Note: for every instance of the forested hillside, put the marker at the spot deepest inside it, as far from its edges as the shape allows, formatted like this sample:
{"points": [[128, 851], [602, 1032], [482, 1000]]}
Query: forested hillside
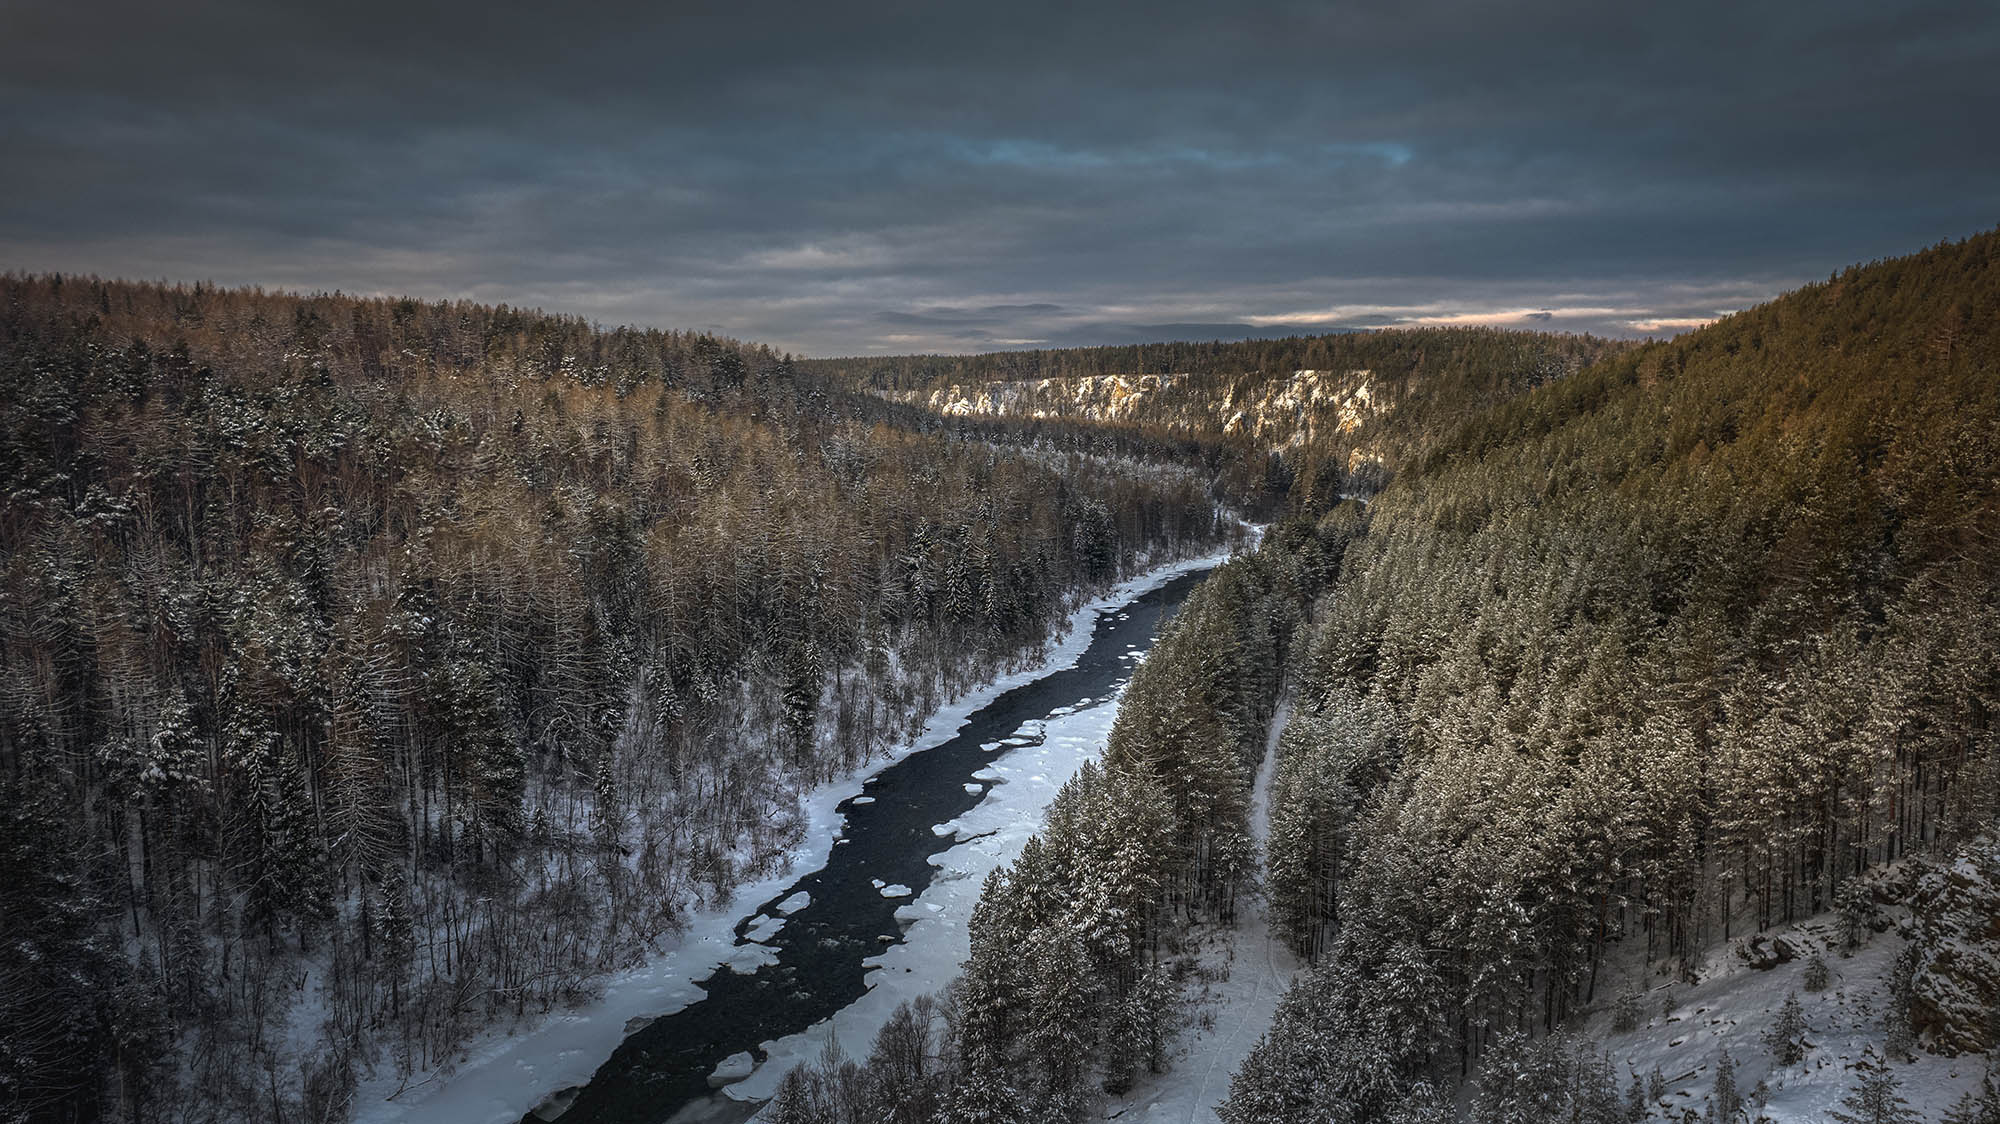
{"points": [[377, 670], [1287, 426], [1651, 658], [1661, 655], [1080, 953]]}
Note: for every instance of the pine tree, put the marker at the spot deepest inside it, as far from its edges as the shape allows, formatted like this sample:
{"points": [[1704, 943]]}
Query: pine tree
{"points": [[1786, 1038], [1856, 906], [983, 1092], [177, 756], [58, 975], [1636, 1104], [1980, 1106], [1726, 1104], [985, 1011], [1876, 1099], [1817, 974], [793, 1102], [1626, 1015], [1597, 1100], [283, 866], [1424, 1104], [1897, 1004]]}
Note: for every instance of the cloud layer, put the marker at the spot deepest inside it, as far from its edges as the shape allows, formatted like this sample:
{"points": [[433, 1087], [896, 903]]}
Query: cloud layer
{"points": [[841, 178]]}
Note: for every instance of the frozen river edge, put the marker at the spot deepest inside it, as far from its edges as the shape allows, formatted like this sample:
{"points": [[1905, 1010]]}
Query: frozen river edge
{"points": [[509, 1072]]}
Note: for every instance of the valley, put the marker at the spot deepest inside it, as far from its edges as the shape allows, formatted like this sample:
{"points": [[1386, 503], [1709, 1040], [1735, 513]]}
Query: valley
{"points": [[607, 727], [1036, 563]]}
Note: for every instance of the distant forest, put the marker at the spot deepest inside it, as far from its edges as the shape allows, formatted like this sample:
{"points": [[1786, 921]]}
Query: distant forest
{"points": [[1390, 350]]}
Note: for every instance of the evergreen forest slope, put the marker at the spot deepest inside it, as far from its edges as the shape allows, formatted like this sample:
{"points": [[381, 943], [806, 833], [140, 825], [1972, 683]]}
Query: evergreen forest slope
{"points": [[1648, 659], [1617, 671], [443, 652], [376, 670]]}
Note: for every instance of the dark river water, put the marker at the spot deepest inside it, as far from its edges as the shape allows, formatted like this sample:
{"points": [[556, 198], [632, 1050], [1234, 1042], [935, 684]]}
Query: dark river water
{"points": [[660, 1072]]}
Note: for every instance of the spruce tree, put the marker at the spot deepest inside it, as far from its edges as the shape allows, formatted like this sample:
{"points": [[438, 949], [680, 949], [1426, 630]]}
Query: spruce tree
{"points": [[1979, 1106], [1876, 1098], [1636, 1104], [1897, 1004], [1726, 1103], [1786, 1037]]}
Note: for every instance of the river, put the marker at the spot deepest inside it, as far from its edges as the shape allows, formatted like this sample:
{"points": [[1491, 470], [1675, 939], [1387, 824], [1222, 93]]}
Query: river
{"points": [[815, 965]]}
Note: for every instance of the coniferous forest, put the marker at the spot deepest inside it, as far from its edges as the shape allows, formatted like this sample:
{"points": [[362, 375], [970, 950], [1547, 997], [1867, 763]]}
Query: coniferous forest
{"points": [[654, 562], [1663, 654], [444, 657]]}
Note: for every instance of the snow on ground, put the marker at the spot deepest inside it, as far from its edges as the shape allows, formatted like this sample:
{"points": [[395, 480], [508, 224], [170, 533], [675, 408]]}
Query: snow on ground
{"points": [[1733, 1007], [508, 1070], [1235, 1010], [1254, 971], [936, 943]]}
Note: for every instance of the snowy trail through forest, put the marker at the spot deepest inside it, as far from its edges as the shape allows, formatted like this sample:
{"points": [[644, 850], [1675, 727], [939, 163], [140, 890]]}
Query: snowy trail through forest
{"points": [[1238, 1008]]}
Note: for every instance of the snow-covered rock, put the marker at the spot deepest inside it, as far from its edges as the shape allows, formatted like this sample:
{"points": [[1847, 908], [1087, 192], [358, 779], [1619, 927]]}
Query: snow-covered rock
{"points": [[1766, 953], [1955, 927]]}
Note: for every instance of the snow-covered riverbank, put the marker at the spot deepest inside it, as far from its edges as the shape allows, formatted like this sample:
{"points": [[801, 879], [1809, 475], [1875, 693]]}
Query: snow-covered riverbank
{"points": [[509, 1071], [1254, 969], [1028, 770]]}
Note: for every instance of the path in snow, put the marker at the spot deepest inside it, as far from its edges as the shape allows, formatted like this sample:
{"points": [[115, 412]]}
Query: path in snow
{"points": [[1239, 1007]]}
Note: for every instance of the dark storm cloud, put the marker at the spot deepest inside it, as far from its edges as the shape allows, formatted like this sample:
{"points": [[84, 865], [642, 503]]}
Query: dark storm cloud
{"points": [[839, 178]]}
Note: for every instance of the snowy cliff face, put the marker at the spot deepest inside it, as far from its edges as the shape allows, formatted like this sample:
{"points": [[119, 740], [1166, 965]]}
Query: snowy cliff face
{"points": [[1278, 411], [1100, 398], [1955, 927]]}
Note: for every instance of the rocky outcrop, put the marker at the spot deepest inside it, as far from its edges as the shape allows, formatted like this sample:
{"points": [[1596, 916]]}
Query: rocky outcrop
{"points": [[1278, 410], [1955, 927], [1766, 953]]}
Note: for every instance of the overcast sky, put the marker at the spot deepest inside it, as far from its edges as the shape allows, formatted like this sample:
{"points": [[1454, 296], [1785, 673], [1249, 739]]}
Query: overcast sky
{"points": [[836, 178]]}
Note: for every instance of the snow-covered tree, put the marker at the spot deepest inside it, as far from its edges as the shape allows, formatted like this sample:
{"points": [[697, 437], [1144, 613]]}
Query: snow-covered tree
{"points": [[1876, 1098], [1786, 1037]]}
